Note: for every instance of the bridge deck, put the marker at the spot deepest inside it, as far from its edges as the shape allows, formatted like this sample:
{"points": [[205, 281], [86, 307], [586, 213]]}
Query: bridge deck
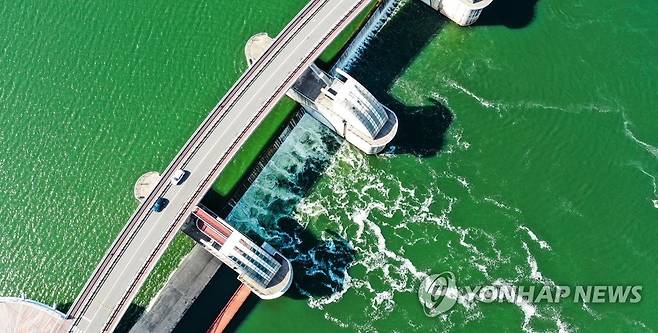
{"points": [[132, 256]]}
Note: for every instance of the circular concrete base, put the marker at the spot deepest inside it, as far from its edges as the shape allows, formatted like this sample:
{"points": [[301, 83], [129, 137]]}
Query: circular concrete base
{"points": [[145, 184], [256, 46], [22, 315]]}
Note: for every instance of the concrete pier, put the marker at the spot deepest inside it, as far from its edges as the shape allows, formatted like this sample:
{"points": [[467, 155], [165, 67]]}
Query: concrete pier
{"points": [[462, 12], [266, 272], [338, 101], [145, 184]]}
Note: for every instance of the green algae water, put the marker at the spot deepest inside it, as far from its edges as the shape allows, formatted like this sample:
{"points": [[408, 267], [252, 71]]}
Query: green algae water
{"points": [[526, 155], [93, 95]]}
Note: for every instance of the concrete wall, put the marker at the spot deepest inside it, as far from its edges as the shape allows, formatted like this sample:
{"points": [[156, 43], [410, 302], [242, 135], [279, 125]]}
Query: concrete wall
{"points": [[182, 289]]}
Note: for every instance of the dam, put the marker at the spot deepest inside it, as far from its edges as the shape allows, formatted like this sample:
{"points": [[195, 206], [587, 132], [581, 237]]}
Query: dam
{"points": [[159, 216], [338, 101], [283, 66]]}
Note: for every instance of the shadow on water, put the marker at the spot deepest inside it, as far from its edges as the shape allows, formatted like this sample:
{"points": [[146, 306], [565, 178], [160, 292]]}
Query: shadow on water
{"points": [[514, 14], [217, 203], [242, 314], [320, 266], [212, 299], [421, 128]]}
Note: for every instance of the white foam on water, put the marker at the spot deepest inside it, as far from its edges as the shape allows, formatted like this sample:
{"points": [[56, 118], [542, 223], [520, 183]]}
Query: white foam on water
{"points": [[458, 136], [311, 208], [463, 181], [490, 63], [536, 105], [383, 301], [483, 101], [574, 109], [359, 219], [641, 324], [320, 302], [482, 268], [562, 327], [542, 244], [649, 148], [414, 94], [396, 272], [444, 100], [531, 310], [501, 205], [444, 222], [406, 263], [569, 207], [477, 258], [335, 320], [379, 214], [535, 274], [591, 311], [653, 183]]}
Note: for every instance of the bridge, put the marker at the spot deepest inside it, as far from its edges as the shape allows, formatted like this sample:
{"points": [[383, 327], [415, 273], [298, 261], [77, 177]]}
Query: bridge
{"points": [[279, 66], [131, 257]]}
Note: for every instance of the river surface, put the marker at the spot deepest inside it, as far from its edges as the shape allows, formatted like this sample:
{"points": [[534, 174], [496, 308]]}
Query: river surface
{"points": [[527, 155]]}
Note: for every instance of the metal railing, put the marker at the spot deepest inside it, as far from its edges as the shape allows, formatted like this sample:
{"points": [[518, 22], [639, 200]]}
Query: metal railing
{"points": [[190, 149], [83, 301], [202, 188]]}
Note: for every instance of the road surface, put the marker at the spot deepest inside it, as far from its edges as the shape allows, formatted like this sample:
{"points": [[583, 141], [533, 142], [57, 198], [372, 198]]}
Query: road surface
{"points": [[132, 256]]}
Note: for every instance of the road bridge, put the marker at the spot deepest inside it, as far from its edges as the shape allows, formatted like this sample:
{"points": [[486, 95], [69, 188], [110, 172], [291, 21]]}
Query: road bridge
{"points": [[131, 257]]}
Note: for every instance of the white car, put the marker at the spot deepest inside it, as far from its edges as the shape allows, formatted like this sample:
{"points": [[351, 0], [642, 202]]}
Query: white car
{"points": [[177, 177]]}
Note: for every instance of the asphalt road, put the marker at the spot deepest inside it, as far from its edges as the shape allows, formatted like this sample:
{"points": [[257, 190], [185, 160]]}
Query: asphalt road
{"points": [[132, 256]]}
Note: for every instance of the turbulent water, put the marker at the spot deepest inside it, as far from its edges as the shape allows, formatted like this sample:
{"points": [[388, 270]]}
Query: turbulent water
{"points": [[94, 94], [527, 155]]}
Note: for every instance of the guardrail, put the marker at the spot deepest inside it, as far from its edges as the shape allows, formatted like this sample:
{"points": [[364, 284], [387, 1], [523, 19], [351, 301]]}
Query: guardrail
{"points": [[87, 295], [231, 150]]}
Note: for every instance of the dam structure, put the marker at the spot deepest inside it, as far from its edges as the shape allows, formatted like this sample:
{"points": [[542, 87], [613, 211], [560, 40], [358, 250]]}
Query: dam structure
{"points": [[338, 101], [266, 272], [279, 66], [122, 271], [462, 12]]}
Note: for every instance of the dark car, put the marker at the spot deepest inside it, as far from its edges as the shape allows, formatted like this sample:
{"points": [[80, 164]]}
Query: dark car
{"points": [[160, 204]]}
